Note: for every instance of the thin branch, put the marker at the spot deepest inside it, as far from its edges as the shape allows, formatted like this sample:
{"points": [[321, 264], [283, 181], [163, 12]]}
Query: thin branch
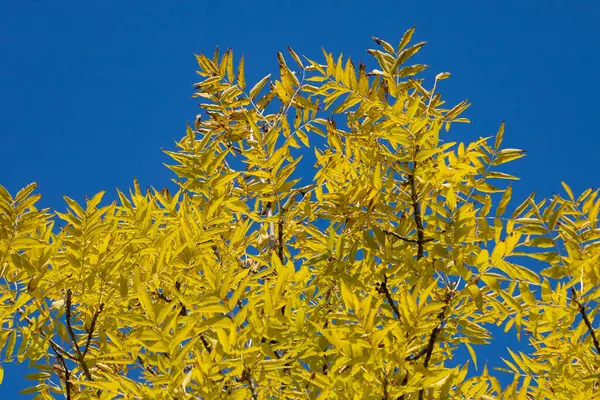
{"points": [[434, 334], [80, 356], [280, 236], [271, 230], [325, 367], [405, 239], [586, 319], [382, 288], [417, 214], [385, 385], [65, 370], [251, 384], [147, 368], [92, 328], [205, 343], [183, 311], [418, 355], [54, 345]]}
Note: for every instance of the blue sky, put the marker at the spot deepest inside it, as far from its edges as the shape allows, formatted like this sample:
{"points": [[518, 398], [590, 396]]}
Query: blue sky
{"points": [[91, 91]]}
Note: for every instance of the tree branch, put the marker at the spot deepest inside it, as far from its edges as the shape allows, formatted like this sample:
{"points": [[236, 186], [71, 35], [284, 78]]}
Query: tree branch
{"points": [[63, 374], [80, 356], [147, 368], [280, 236], [586, 320], [205, 343], [417, 214], [434, 334], [405, 239], [251, 384], [92, 328], [382, 288]]}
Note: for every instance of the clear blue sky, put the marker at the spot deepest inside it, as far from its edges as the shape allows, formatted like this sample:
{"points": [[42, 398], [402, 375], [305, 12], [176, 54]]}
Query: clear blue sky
{"points": [[91, 91]]}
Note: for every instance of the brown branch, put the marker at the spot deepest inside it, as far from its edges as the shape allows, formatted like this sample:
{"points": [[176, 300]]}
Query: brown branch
{"points": [[386, 395], [280, 236], [417, 356], [325, 367], [417, 214], [80, 356], [405, 239], [383, 289], [434, 334], [183, 311], [54, 345], [92, 328], [248, 378], [205, 343], [404, 382], [147, 368], [65, 370], [586, 320], [271, 229]]}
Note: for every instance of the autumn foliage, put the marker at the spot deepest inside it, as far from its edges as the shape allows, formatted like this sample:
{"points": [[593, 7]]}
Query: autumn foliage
{"points": [[356, 272]]}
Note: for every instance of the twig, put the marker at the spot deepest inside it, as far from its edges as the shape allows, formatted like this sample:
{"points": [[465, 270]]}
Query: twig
{"points": [[418, 355], [205, 343], [80, 356], [586, 319], [248, 378], [54, 345], [92, 328], [382, 288], [434, 334], [280, 236], [65, 369], [417, 214], [183, 311], [405, 239], [385, 385], [147, 368]]}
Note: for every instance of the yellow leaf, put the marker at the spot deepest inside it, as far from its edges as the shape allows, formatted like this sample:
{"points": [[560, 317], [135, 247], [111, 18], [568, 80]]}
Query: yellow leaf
{"points": [[295, 57], [506, 196], [5, 195], [568, 190], [451, 198], [406, 38], [24, 193], [213, 308], [258, 87], [499, 137], [94, 201], [146, 303], [75, 207], [498, 252], [472, 354], [241, 79], [507, 155]]}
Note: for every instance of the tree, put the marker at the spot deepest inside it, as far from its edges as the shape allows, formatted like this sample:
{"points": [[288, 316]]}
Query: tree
{"points": [[247, 283]]}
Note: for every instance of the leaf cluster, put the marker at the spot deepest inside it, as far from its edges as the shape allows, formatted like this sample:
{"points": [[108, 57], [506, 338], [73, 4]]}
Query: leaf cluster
{"points": [[363, 283]]}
